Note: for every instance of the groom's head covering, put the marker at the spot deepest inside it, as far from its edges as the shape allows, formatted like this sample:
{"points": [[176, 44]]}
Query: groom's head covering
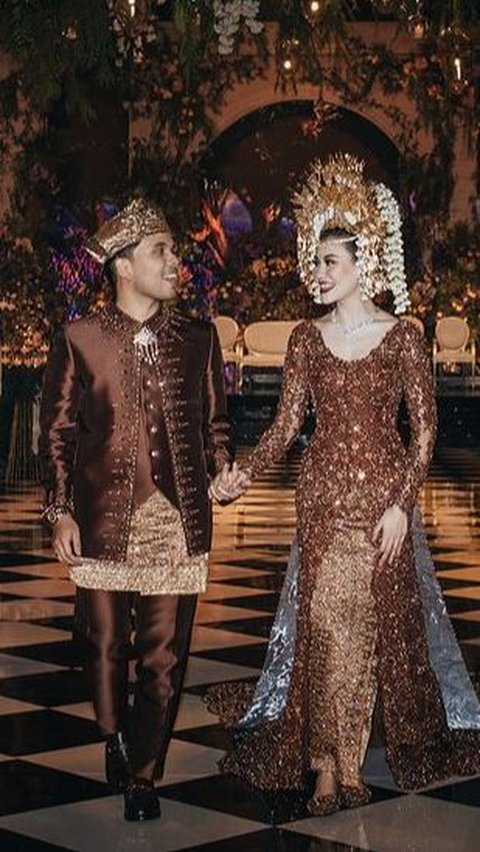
{"points": [[137, 220]]}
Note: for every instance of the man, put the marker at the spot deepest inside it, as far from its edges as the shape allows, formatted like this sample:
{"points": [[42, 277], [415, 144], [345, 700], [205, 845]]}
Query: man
{"points": [[133, 429]]}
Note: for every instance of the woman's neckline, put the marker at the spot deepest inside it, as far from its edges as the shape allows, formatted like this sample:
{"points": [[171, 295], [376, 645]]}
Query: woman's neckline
{"points": [[376, 348]]}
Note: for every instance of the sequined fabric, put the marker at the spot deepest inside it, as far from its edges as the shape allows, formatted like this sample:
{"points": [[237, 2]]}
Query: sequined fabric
{"points": [[157, 560], [136, 221], [360, 629], [342, 657]]}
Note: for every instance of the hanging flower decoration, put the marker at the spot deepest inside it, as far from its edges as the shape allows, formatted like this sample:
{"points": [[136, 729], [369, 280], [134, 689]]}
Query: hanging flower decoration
{"points": [[392, 247], [133, 24], [228, 18]]}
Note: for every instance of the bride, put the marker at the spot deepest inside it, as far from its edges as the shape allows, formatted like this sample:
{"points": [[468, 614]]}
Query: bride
{"points": [[361, 621]]}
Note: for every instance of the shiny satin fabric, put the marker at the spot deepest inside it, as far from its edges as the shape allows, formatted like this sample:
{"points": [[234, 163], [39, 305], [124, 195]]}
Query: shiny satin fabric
{"points": [[97, 389], [163, 625]]}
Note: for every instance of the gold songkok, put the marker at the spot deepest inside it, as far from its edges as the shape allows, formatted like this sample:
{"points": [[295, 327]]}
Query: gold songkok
{"points": [[137, 220], [336, 194]]}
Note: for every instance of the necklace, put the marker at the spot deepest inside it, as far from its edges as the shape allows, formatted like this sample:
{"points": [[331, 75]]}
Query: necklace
{"points": [[351, 330]]}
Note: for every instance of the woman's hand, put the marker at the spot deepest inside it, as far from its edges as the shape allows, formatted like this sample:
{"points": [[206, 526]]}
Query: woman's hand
{"points": [[391, 530], [229, 484]]}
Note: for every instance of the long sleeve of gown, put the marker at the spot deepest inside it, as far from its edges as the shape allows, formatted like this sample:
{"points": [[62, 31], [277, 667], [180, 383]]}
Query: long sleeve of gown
{"points": [[291, 409], [419, 392]]}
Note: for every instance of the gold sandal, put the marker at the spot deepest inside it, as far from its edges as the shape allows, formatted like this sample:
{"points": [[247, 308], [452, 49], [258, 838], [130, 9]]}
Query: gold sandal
{"points": [[323, 805], [354, 797]]}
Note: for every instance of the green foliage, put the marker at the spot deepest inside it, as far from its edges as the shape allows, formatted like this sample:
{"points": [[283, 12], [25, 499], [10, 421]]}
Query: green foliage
{"points": [[62, 48], [54, 43], [449, 285], [27, 302]]}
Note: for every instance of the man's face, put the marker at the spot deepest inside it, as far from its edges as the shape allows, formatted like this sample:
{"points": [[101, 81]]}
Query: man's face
{"points": [[152, 270]]}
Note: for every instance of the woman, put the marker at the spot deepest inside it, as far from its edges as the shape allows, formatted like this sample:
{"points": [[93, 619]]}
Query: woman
{"points": [[351, 626]]}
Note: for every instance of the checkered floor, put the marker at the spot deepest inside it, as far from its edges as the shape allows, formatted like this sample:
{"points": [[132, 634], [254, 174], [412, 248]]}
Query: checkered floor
{"points": [[53, 791]]}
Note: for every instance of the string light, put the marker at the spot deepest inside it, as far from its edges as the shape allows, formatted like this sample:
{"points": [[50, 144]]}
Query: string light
{"points": [[288, 51], [456, 57]]}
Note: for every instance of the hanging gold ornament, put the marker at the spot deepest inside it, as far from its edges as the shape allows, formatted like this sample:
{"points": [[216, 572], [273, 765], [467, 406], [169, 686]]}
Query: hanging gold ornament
{"points": [[417, 26]]}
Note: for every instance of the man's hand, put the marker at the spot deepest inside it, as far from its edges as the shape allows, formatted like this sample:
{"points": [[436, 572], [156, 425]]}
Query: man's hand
{"points": [[66, 540], [391, 530], [229, 484]]}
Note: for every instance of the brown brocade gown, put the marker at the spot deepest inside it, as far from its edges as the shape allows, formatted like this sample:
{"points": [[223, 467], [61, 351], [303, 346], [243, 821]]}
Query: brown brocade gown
{"points": [[360, 629]]}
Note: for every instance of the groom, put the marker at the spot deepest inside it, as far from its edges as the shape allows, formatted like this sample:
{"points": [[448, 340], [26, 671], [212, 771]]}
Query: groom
{"points": [[134, 442]]}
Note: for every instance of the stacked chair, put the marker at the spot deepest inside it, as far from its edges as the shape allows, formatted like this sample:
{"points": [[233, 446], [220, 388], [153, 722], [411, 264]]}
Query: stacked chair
{"points": [[453, 344], [265, 343]]}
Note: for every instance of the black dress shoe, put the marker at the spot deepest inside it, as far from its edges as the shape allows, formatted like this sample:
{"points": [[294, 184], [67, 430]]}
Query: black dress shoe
{"points": [[141, 801], [117, 762]]}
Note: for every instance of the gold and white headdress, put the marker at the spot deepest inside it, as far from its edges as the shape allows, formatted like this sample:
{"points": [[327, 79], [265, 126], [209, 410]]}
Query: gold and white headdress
{"points": [[336, 194]]}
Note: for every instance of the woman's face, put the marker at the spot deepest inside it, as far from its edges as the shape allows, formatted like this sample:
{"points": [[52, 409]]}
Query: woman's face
{"points": [[335, 271]]}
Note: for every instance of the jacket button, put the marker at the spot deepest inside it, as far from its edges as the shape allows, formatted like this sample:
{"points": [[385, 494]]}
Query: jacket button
{"points": [[154, 429], [154, 454]]}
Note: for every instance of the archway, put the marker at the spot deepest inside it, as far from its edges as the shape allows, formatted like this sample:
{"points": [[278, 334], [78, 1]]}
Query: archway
{"points": [[262, 155]]}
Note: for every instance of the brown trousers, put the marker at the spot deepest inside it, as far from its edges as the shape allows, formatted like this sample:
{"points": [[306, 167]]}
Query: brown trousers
{"points": [[163, 626]]}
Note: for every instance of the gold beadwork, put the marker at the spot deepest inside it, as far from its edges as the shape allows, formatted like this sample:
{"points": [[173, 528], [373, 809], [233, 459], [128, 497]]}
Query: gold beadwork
{"points": [[136, 221], [157, 561]]}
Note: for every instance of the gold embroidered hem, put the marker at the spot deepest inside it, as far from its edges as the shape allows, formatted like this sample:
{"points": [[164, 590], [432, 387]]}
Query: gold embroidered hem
{"points": [[157, 559]]}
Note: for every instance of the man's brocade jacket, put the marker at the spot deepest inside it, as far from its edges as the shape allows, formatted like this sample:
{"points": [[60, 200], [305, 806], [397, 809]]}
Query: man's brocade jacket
{"points": [[99, 393]]}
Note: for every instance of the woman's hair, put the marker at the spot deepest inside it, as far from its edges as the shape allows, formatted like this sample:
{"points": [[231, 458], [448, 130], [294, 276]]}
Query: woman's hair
{"points": [[348, 239]]}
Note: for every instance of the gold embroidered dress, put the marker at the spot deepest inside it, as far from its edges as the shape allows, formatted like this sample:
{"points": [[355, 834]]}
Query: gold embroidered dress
{"points": [[360, 629]]}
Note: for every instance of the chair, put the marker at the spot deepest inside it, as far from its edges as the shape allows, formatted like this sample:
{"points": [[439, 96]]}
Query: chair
{"points": [[228, 330], [414, 320], [453, 343], [267, 342], [228, 335]]}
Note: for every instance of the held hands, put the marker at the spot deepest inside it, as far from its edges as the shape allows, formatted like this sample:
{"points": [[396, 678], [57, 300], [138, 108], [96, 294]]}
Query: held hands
{"points": [[391, 530], [229, 484], [66, 540]]}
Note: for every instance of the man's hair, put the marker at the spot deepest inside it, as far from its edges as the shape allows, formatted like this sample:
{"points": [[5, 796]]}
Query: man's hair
{"points": [[110, 269]]}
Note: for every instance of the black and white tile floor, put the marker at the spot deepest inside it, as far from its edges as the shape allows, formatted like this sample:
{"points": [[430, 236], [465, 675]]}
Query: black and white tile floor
{"points": [[53, 795]]}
